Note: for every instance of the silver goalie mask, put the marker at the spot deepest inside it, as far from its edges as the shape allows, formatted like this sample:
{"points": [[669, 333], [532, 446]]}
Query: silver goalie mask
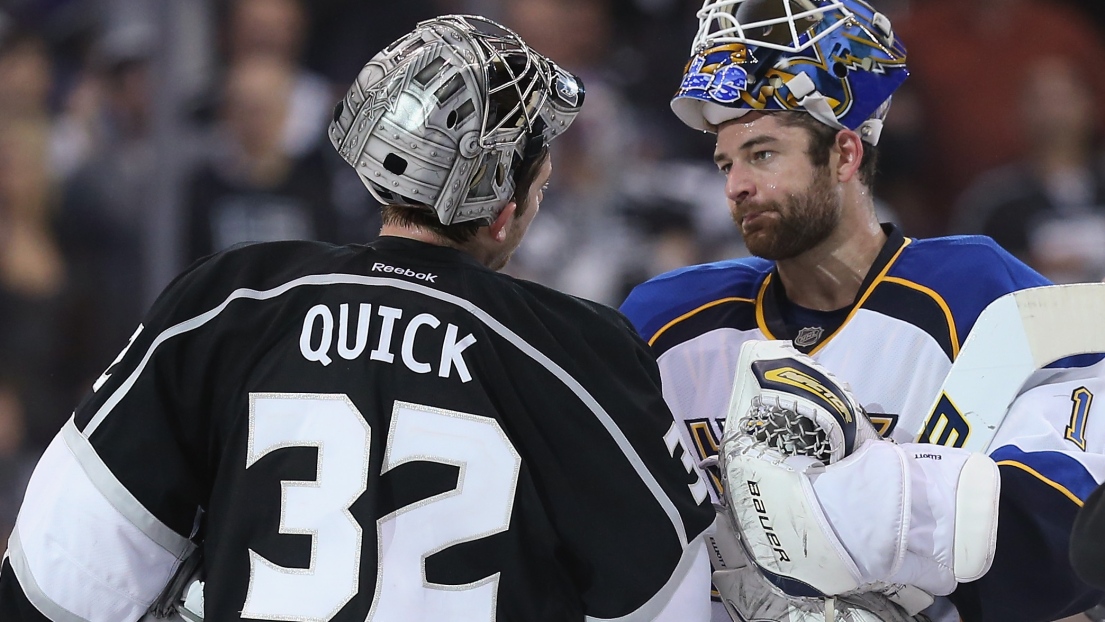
{"points": [[441, 118]]}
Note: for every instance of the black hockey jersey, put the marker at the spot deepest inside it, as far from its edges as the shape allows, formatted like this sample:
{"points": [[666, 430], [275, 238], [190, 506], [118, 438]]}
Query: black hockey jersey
{"points": [[381, 432]]}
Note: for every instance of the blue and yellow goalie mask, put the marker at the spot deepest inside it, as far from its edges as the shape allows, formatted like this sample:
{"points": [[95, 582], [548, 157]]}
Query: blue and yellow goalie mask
{"points": [[837, 60]]}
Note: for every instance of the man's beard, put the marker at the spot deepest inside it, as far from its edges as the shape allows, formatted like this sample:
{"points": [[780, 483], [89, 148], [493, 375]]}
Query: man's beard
{"points": [[805, 220]]}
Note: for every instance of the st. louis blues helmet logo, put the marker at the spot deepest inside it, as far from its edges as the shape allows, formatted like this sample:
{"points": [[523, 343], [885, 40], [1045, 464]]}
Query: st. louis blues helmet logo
{"points": [[717, 74], [847, 57]]}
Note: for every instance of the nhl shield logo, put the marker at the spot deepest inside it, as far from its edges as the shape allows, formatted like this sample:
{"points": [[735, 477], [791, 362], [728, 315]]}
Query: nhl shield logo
{"points": [[808, 336]]}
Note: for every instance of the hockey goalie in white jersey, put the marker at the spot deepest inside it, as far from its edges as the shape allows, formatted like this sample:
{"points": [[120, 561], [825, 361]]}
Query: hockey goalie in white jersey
{"points": [[796, 92], [837, 523]]}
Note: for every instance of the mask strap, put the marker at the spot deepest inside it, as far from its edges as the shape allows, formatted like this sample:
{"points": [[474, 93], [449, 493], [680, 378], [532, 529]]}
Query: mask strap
{"points": [[803, 89]]}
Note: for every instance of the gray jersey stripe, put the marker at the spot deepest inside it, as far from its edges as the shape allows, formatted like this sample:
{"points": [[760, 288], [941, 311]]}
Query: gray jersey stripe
{"points": [[120, 498], [352, 279]]}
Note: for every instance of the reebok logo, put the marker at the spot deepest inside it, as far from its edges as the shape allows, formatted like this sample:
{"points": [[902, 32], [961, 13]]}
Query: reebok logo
{"points": [[421, 276]]}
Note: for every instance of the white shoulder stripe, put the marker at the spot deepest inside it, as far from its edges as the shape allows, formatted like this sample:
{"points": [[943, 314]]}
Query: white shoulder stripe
{"points": [[101, 568], [352, 279]]}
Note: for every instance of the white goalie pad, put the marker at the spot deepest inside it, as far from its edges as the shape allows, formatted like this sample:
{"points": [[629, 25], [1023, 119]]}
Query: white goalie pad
{"points": [[773, 504], [885, 516], [747, 595], [824, 507]]}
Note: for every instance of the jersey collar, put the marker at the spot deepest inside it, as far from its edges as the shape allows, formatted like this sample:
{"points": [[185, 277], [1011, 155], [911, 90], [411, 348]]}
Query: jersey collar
{"points": [[772, 296], [424, 250]]}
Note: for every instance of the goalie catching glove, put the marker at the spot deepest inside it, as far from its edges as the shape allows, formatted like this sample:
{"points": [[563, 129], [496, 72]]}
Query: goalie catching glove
{"points": [[825, 507], [748, 595]]}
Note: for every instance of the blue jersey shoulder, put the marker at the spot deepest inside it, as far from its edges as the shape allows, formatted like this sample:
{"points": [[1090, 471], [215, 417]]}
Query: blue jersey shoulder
{"points": [[663, 298], [967, 272]]}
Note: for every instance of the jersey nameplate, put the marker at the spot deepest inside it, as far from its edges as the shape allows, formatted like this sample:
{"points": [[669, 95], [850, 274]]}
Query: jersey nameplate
{"points": [[324, 336]]}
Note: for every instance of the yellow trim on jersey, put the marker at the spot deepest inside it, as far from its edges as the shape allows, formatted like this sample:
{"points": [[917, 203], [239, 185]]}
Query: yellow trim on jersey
{"points": [[760, 321], [867, 294], [688, 314], [1033, 472], [760, 307], [939, 300]]}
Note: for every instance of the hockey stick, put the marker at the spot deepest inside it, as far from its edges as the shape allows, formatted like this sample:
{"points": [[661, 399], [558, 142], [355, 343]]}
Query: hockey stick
{"points": [[1013, 337]]}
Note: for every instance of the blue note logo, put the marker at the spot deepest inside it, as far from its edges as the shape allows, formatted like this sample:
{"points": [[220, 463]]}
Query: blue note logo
{"points": [[723, 84]]}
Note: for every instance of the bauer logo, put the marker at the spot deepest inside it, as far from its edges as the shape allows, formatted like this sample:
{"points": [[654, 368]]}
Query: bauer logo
{"points": [[766, 524]]}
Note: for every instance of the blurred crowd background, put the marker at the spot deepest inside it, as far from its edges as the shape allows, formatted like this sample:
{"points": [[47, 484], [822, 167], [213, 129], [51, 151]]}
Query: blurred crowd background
{"points": [[139, 135]]}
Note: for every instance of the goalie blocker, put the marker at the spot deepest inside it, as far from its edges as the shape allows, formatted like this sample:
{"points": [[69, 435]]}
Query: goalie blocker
{"points": [[846, 513]]}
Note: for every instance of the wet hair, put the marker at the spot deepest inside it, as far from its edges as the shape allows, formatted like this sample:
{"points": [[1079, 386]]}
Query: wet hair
{"points": [[822, 139], [525, 174]]}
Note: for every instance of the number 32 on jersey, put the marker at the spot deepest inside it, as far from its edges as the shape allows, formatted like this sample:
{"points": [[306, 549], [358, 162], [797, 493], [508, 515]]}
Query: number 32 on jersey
{"points": [[480, 505]]}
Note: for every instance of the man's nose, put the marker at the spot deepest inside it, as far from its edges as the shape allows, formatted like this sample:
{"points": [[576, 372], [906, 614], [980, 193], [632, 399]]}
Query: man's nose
{"points": [[739, 186]]}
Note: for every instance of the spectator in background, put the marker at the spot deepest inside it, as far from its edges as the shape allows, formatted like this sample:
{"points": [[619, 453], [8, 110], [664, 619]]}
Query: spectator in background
{"points": [[25, 74], [581, 242], [342, 32], [971, 113], [898, 187], [654, 36], [107, 202], [280, 29], [1048, 208], [277, 29], [252, 189], [37, 387], [26, 85], [34, 280]]}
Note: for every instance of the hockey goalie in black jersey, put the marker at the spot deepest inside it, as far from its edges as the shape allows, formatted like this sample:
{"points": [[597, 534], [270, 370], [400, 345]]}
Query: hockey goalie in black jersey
{"points": [[392, 431]]}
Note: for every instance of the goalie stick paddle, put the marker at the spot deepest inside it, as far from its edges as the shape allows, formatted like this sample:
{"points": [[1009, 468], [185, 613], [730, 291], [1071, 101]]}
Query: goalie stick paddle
{"points": [[1013, 337]]}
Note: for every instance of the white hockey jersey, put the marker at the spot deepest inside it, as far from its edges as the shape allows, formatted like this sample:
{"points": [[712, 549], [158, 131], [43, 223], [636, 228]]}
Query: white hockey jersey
{"points": [[894, 345]]}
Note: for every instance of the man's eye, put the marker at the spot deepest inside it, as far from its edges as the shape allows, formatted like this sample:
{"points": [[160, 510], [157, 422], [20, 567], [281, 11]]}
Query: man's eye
{"points": [[724, 168], [760, 156]]}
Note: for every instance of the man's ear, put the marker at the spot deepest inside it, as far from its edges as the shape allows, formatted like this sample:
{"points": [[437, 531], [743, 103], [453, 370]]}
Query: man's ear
{"points": [[501, 225], [849, 148]]}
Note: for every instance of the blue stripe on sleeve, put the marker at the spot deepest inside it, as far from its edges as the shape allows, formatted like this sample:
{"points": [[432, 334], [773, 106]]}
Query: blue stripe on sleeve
{"points": [[1058, 470]]}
